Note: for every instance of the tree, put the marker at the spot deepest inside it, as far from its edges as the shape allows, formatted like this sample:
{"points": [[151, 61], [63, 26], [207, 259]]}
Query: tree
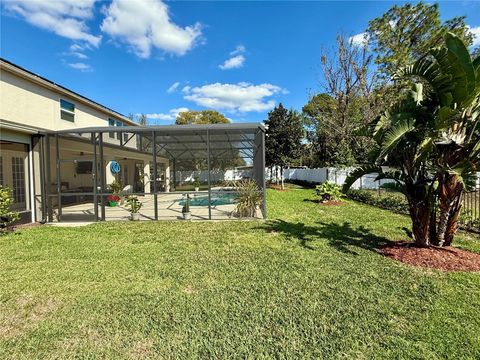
{"points": [[142, 120], [350, 99], [283, 137], [405, 33], [201, 117], [139, 118], [432, 138]]}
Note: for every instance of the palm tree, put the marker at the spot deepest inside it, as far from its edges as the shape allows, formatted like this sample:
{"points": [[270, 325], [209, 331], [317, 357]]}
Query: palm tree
{"points": [[432, 138]]}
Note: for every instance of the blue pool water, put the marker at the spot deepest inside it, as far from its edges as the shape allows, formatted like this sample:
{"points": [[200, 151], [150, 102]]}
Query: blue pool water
{"points": [[202, 200]]}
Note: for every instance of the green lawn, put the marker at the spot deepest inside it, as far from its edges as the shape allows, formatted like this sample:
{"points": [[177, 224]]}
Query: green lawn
{"points": [[308, 283]]}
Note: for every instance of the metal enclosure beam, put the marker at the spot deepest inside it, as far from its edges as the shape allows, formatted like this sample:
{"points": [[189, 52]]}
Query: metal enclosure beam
{"points": [[59, 184], [102, 178], [209, 178], [154, 151]]}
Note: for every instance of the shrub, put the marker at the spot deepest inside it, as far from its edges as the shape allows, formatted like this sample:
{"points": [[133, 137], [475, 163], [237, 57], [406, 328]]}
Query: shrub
{"points": [[303, 183], [115, 187], [248, 198], [328, 192], [7, 216], [389, 202]]}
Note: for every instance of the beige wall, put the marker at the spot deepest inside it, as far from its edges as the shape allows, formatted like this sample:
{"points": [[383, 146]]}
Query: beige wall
{"points": [[28, 103]]}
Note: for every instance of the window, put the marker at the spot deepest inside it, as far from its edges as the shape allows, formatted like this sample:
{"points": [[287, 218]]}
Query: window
{"points": [[67, 110], [111, 134], [18, 177]]}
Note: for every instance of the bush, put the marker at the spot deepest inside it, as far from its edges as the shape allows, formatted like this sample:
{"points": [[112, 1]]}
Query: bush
{"points": [[7, 216], [328, 192], [389, 202], [248, 198], [302, 183]]}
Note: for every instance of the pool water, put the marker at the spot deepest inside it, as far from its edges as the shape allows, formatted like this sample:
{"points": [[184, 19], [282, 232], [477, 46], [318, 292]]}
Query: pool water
{"points": [[202, 200]]}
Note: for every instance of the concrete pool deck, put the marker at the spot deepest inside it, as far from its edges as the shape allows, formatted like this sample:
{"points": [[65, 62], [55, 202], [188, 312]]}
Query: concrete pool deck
{"points": [[169, 208]]}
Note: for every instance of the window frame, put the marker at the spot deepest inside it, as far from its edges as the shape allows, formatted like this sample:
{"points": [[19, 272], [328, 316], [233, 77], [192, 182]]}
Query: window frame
{"points": [[67, 110]]}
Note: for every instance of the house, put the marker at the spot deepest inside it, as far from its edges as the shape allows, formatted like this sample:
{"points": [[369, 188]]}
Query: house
{"points": [[60, 151], [30, 105]]}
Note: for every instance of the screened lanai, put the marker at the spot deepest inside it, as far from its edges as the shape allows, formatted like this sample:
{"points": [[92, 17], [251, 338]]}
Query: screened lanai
{"points": [[161, 165]]}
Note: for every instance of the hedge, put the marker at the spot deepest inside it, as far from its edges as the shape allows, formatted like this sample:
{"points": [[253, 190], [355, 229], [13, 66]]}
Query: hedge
{"points": [[388, 202]]}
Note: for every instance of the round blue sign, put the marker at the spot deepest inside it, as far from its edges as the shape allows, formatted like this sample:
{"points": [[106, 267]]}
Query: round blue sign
{"points": [[115, 167]]}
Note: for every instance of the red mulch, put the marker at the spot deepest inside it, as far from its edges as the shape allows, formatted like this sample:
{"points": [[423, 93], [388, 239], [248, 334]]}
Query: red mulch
{"points": [[332, 203], [441, 258]]}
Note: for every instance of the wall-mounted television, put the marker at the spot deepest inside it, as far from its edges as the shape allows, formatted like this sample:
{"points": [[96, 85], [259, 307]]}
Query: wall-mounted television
{"points": [[84, 167]]}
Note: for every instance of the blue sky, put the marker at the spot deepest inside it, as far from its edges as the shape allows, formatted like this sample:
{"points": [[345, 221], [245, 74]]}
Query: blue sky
{"points": [[153, 57]]}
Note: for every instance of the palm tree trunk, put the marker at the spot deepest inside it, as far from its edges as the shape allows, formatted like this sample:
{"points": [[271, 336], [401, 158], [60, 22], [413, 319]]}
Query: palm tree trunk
{"points": [[420, 216], [450, 191], [451, 229]]}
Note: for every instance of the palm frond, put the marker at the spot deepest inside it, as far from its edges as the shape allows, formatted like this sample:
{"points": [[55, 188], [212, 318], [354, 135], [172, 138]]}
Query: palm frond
{"points": [[358, 173], [462, 57], [395, 134], [466, 174]]}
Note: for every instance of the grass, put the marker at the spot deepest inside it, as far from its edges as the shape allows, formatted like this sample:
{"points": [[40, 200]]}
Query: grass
{"points": [[307, 283]]}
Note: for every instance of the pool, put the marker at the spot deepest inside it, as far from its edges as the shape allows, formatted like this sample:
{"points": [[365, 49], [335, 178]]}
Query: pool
{"points": [[202, 200]]}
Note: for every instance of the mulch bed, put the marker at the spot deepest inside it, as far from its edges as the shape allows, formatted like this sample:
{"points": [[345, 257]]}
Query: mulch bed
{"points": [[446, 259], [25, 226]]}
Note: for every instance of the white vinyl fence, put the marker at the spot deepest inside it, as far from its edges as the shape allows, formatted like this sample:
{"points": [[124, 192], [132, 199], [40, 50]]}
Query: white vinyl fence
{"points": [[215, 176], [334, 175]]}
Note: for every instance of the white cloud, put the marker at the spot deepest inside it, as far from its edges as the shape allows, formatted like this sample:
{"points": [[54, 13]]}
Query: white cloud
{"points": [[240, 49], [173, 87], [233, 63], [146, 24], [236, 60], [171, 115], [359, 39], [475, 30], [81, 66], [79, 55], [241, 97], [63, 17]]}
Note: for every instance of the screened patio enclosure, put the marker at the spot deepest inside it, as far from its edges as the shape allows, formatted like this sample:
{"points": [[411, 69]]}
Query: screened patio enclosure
{"points": [[161, 165]]}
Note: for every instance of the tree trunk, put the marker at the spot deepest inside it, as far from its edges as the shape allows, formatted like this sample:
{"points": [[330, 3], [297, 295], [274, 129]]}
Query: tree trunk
{"points": [[449, 194], [281, 177], [451, 229], [420, 215], [421, 210]]}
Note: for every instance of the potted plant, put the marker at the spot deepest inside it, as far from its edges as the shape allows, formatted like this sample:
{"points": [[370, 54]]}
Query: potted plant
{"points": [[186, 209], [196, 183], [115, 188], [134, 206], [113, 200]]}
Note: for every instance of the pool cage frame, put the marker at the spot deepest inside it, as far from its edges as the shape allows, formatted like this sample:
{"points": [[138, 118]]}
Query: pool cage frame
{"points": [[210, 142]]}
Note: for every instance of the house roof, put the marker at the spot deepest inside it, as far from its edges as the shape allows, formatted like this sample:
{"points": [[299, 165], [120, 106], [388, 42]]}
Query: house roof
{"points": [[18, 70]]}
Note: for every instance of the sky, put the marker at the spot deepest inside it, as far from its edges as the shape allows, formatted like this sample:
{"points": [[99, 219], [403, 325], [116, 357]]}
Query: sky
{"points": [[160, 58]]}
